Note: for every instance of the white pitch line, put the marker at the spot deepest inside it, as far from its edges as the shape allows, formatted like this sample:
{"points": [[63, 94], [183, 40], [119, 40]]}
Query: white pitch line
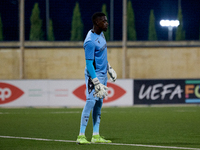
{"points": [[57, 112], [36, 139], [120, 144], [153, 146], [65, 112]]}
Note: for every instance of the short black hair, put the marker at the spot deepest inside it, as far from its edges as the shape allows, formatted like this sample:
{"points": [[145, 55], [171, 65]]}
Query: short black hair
{"points": [[96, 15]]}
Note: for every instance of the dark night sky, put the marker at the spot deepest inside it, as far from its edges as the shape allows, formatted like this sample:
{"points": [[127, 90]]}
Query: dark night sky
{"points": [[61, 14]]}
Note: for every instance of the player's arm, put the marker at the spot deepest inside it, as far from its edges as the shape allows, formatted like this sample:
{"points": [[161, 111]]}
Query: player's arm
{"points": [[90, 68], [112, 73], [89, 48], [100, 89]]}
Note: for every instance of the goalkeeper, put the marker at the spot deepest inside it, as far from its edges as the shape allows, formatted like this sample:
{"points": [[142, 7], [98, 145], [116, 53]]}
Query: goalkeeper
{"points": [[96, 70]]}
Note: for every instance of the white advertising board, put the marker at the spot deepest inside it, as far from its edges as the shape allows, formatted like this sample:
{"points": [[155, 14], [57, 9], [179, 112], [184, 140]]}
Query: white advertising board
{"points": [[60, 93], [23, 93]]}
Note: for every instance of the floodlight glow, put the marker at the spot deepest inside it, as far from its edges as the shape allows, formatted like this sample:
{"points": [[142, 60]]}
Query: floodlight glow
{"points": [[169, 23]]}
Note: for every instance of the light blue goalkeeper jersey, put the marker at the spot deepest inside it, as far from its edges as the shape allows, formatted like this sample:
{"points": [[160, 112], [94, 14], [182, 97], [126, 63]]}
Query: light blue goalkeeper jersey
{"points": [[96, 49]]}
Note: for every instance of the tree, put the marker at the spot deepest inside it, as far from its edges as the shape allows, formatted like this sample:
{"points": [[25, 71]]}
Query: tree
{"points": [[36, 33], [180, 33], [107, 33], [77, 25], [51, 34], [152, 30], [131, 32], [1, 29]]}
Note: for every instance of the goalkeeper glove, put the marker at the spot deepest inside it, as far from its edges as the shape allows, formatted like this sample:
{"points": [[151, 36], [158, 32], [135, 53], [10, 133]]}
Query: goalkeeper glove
{"points": [[100, 89], [112, 73]]}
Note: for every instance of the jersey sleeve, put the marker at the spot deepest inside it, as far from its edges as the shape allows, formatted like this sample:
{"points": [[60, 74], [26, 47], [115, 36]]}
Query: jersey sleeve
{"points": [[90, 68], [89, 48]]}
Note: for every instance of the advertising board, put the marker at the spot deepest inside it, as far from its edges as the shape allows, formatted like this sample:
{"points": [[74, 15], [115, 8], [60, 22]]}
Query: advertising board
{"points": [[59, 93], [168, 91]]}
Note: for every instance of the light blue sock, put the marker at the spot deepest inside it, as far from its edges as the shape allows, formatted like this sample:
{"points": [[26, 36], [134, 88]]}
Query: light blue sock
{"points": [[96, 114], [96, 124], [85, 115]]}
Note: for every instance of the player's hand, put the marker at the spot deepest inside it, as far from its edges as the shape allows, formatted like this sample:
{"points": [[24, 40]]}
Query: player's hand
{"points": [[100, 89], [112, 73]]}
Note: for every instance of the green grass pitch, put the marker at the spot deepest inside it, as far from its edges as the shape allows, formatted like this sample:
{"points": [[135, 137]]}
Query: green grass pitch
{"points": [[129, 128]]}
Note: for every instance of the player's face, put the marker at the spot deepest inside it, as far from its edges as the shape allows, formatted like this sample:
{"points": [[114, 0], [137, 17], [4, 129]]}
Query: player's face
{"points": [[102, 23]]}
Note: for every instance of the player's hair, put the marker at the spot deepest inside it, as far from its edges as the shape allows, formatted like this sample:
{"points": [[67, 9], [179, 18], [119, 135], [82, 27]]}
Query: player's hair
{"points": [[96, 15]]}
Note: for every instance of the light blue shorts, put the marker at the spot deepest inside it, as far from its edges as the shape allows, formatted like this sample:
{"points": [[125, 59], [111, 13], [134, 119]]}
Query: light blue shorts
{"points": [[90, 86]]}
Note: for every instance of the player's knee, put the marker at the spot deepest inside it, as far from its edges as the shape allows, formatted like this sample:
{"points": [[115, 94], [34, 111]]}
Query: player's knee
{"points": [[90, 104]]}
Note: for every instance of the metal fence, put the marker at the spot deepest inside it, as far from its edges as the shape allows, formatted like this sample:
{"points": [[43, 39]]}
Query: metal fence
{"points": [[61, 12]]}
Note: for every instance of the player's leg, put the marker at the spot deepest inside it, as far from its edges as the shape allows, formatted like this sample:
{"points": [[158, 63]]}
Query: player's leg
{"points": [[90, 102], [96, 114], [96, 138], [84, 121], [85, 115]]}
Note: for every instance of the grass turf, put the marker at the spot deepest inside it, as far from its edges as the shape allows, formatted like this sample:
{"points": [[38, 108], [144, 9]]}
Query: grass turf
{"points": [[163, 126]]}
